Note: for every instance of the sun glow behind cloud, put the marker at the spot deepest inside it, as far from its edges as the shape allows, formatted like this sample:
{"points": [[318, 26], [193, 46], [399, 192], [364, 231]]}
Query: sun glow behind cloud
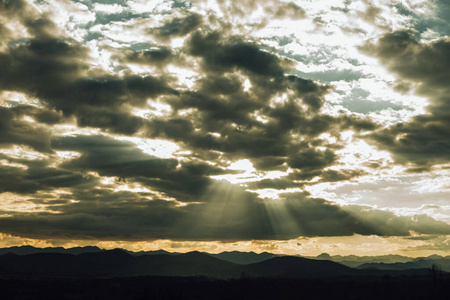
{"points": [[249, 113]]}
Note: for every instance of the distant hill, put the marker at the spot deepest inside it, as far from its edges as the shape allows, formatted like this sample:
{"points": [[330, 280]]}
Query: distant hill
{"points": [[354, 261], [113, 263], [153, 252], [118, 263], [420, 263], [244, 257], [389, 262], [94, 261], [296, 267]]}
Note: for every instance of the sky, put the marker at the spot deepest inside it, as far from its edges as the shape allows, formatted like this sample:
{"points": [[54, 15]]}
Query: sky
{"points": [[290, 127]]}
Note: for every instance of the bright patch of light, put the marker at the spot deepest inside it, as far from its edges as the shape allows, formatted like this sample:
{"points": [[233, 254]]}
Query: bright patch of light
{"points": [[108, 180], [22, 153], [72, 130], [141, 69], [158, 109], [17, 203], [279, 100], [142, 6], [343, 245], [100, 57], [11, 99], [68, 14], [357, 153], [260, 117], [158, 148], [186, 77], [108, 8], [326, 136], [247, 175], [28, 119], [131, 188], [177, 42], [268, 193], [242, 165], [67, 154], [6, 163], [247, 85], [186, 112]]}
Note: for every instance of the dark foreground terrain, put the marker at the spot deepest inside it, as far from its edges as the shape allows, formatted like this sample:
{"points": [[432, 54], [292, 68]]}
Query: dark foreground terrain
{"points": [[117, 274], [365, 287]]}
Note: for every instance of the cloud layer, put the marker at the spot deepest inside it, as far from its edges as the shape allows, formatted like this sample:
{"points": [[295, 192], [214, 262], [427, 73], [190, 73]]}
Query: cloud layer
{"points": [[132, 122]]}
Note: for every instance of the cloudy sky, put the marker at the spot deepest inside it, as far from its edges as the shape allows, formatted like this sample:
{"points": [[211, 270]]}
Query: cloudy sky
{"points": [[293, 127]]}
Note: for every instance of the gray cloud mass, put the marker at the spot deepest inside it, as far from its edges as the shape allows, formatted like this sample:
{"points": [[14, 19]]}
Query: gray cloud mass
{"points": [[424, 140], [243, 104]]}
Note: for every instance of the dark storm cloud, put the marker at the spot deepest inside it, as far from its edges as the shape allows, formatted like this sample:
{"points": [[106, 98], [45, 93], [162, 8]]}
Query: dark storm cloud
{"points": [[388, 224], [56, 70], [311, 159], [111, 90], [40, 114], [38, 176], [37, 24], [265, 70], [275, 121], [357, 123], [16, 131], [109, 157], [281, 183], [341, 175], [220, 55], [188, 182], [224, 114], [35, 65], [118, 122], [269, 163], [424, 140], [52, 70], [223, 106], [227, 213], [105, 220]]}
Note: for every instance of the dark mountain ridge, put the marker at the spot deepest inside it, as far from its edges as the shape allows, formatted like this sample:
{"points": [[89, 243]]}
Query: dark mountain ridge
{"points": [[295, 267], [118, 263], [94, 261]]}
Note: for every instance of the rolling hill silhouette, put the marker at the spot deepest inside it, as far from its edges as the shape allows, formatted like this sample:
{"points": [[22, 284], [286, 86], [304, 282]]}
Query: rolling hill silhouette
{"points": [[120, 274], [113, 263], [422, 263], [244, 258], [295, 267], [118, 263]]}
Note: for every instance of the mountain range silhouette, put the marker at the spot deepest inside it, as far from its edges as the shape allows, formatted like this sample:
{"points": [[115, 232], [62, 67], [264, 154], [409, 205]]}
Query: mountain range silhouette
{"points": [[91, 262]]}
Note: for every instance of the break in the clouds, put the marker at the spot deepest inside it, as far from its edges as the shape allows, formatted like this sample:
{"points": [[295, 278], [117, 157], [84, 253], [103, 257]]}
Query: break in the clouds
{"points": [[423, 140], [223, 121]]}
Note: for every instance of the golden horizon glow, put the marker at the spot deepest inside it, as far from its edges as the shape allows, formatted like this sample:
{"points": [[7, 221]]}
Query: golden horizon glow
{"points": [[306, 246]]}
